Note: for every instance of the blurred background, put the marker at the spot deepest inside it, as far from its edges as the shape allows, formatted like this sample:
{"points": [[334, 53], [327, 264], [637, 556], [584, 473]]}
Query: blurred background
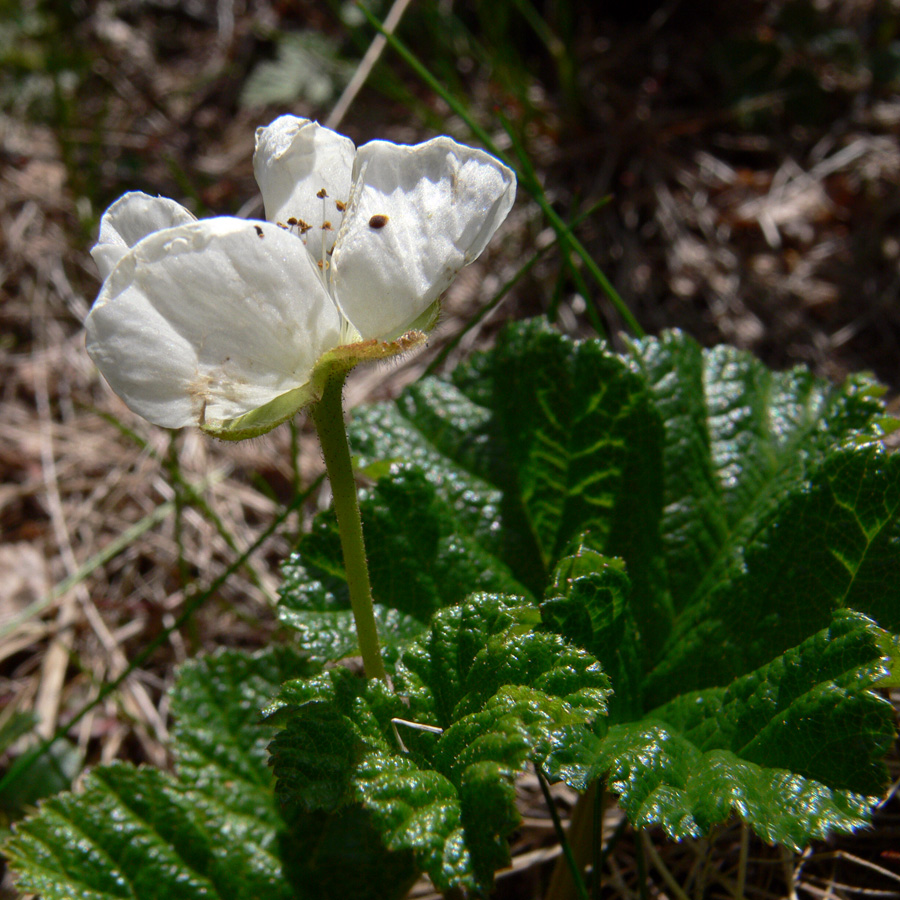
{"points": [[732, 168]]}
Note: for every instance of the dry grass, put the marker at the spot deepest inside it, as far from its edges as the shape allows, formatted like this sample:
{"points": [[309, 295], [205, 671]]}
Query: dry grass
{"points": [[781, 242]]}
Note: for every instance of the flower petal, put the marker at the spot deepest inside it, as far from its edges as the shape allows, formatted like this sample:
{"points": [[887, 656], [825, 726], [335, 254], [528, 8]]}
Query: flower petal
{"points": [[295, 160], [130, 219], [417, 215], [203, 323]]}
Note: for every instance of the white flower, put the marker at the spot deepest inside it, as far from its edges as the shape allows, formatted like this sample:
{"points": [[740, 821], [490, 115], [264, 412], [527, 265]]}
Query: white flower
{"points": [[233, 324]]}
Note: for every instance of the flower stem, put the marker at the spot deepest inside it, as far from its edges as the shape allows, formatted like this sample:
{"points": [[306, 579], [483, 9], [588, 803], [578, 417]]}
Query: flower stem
{"points": [[328, 415]]}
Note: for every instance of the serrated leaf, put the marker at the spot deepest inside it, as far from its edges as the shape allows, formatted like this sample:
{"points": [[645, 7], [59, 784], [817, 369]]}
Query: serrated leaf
{"points": [[493, 694], [794, 748], [761, 507], [219, 745], [544, 439], [214, 829], [422, 557], [210, 831], [578, 432], [588, 602], [830, 542], [739, 437]]}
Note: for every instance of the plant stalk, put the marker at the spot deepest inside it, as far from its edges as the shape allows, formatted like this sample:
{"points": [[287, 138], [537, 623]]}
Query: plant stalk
{"points": [[581, 838], [328, 416]]}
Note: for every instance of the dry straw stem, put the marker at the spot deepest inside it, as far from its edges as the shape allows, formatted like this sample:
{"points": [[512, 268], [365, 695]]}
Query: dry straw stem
{"points": [[366, 64]]}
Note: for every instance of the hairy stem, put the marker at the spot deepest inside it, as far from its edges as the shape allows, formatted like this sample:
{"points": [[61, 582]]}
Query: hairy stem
{"points": [[328, 416]]}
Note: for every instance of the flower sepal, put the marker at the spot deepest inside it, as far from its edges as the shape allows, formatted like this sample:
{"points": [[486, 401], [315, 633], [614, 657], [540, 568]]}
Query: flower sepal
{"points": [[338, 361]]}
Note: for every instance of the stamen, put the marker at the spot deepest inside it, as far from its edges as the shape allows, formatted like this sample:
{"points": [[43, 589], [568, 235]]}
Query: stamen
{"points": [[342, 207], [325, 225]]}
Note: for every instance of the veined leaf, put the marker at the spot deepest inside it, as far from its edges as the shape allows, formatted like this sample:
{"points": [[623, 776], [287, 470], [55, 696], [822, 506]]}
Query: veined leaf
{"points": [[213, 830], [830, 542], [479, 695], [574, 443], [425, 552], [588, 602], [738, 436], [683, 555], [794, 747]]}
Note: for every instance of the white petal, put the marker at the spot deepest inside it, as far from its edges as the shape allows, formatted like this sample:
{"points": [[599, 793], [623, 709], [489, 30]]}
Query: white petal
{"points": [[208, 321], [442, 202], [295, 160], [130, 219]]}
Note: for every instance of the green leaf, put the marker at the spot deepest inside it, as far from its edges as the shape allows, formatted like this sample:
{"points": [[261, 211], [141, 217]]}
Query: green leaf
{"points": [[422, 557], [794, 747], [830, 542], [578, 431], [542, 440], [588, 602], [737, 437], [212, 830], [689, 518], [479, 696]]}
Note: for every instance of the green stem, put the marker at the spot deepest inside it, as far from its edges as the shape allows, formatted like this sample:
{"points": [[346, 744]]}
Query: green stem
{"points": [[328, 415], [564, 880]]}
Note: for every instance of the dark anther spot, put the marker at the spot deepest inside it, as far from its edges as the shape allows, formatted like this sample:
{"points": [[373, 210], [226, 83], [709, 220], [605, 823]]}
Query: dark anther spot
{"points": [[378, 221], [259, 230]]}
